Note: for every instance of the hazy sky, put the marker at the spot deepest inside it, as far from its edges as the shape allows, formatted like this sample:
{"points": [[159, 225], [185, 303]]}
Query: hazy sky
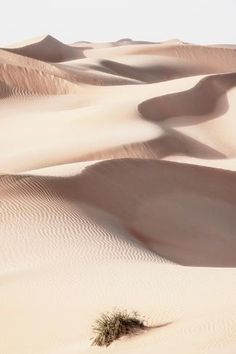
{"points": [[200, 21]]}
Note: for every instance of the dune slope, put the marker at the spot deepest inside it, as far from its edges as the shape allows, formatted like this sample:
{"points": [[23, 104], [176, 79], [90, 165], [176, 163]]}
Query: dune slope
{"points": [[117, 190]]}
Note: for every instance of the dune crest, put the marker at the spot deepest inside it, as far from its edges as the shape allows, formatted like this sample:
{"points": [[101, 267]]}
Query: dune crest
{"points": [[117, 190], [49, 49]]}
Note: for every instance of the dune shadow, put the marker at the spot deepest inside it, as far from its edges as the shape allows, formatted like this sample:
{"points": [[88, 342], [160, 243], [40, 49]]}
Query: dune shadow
{"points": [[169, 207], [129, 41], [170, 143], [175, 143], [196, 103], [159, 72], [5, 90]]}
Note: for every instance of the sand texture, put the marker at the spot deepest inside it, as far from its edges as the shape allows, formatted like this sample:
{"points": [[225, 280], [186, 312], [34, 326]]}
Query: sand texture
{"points": [[117, 190]]}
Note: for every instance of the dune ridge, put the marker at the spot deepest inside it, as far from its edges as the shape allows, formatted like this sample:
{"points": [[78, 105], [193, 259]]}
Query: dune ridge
{"points": [[48, 49], [117, 190]]}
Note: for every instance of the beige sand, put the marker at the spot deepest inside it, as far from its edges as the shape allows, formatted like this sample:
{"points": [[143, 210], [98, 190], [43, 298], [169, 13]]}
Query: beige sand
{"points": [[117, 186]]}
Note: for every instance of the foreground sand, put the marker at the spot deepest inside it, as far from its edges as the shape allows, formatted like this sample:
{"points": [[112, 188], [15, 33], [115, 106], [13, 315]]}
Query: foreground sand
{"points": [[117, 186]]}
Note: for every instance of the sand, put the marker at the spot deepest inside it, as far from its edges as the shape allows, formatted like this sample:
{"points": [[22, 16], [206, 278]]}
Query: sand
{"points": [[117, 187]]}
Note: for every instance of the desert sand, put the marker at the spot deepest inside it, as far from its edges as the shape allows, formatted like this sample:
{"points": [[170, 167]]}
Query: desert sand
{"points": [[117, 190]]}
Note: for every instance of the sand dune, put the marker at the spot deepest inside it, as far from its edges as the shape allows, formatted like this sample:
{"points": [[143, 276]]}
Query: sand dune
{"points": [[207, 92], [223, 59], [117, 189], [48, 49], [29, 81], [170, 234]]}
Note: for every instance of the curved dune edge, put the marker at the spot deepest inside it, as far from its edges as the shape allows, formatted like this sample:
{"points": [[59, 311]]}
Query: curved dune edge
{"points": [[190, 127], [117, 190], [198, 101]]}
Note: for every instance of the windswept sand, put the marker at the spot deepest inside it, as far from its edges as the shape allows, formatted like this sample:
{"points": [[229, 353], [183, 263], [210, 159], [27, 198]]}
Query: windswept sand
{"points": [[117, 186]]}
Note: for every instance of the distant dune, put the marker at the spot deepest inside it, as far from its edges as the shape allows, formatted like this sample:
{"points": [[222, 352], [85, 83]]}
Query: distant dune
{"points": [[48, 49], [117, 186]]}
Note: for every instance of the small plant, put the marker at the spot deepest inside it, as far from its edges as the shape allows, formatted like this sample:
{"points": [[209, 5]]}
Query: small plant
{"points": [[112, 326]]}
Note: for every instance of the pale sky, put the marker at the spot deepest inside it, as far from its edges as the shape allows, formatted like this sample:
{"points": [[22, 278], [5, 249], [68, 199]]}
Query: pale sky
{"points": [[202, 21]]}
